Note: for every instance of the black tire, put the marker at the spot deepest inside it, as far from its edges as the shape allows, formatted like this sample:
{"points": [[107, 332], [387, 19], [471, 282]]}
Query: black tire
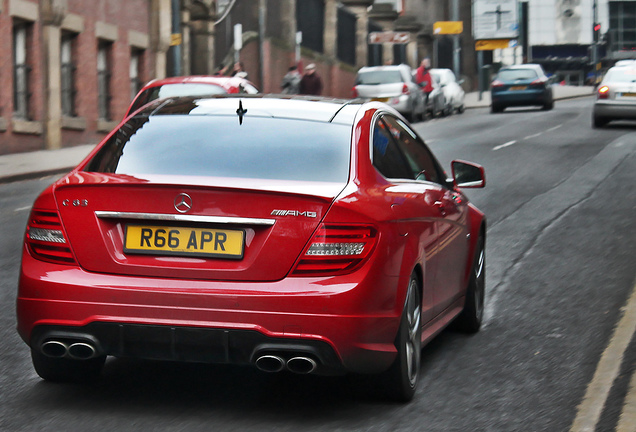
{"points": [[494, 109], [548, 106], [66, 370], [599, 122], [402, 378], [460, 109], [470, 319]]}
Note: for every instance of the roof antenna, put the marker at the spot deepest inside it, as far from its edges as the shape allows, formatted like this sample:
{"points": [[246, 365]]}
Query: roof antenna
{"points": [[241, 112]]}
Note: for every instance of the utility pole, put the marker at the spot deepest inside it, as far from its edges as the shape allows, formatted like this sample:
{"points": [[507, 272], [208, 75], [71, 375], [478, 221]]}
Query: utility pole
{"points": [[176, 37], [456, 49]]}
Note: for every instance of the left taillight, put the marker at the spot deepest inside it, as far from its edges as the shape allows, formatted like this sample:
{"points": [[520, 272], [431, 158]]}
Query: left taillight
{"points": [[45, 238], [336, 249]]}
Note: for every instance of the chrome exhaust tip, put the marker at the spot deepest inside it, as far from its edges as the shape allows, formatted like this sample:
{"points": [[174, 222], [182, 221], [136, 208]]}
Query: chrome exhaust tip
{"points": [[81, 351], [270, 363], [53, 348], [301, 365]]}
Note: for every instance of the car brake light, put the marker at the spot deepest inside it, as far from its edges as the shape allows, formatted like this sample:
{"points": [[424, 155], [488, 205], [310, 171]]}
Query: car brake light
{"points": [[405, 89], [497, 83], [354, 92], [45, 238], [603, 92], [336, 249]]}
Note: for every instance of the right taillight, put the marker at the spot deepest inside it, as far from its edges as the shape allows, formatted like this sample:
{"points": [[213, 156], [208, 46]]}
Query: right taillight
{"points": [[354, 92], [405, 89], [603, 92], [497, 83], [45, 238], [336, 249]]}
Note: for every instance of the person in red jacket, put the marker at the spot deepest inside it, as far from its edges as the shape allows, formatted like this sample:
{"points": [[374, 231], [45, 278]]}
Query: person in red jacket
{"points": [[423, 77], [310, 84]]}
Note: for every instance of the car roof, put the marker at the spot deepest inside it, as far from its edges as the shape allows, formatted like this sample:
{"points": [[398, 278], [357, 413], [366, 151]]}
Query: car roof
{"points": [[385, 67], [523, 66], [328, 110], [225, 82]]}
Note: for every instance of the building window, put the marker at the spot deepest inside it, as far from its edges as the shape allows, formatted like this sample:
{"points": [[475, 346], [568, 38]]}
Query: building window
{"points": [[622, 31], [21, 70], [68, 74], [136, 64], [103, 79]]}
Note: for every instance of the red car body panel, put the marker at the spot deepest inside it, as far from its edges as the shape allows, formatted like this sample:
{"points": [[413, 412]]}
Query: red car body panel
{"points": [[418, 226]]}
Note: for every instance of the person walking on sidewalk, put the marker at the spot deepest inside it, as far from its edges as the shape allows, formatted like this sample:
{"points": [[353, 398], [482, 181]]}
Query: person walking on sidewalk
{"points": [[423, 78], [291, 81], [311, 84]]}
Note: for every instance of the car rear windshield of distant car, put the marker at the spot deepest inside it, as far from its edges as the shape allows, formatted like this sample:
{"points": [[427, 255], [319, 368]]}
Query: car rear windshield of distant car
{"points": [[517, 74], [379, 77], [219, 146], [175, 90], [622, 75]]}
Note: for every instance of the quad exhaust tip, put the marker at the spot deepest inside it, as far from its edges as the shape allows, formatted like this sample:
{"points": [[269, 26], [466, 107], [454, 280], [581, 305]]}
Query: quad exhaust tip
{"points": [[75, 350], [273, 363]]}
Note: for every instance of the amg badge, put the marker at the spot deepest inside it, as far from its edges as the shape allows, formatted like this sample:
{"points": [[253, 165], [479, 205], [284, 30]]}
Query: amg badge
{"points": [[309, 214]]}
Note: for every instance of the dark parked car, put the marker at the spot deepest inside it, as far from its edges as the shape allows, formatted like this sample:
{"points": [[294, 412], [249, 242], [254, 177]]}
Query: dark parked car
{"points": [[313, 236], [521, 85]]}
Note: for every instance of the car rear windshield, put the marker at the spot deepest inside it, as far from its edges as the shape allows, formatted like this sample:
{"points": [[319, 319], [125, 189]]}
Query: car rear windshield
{"points": [[174, 90], [379, 77], [624, 75], [219, 146], [517, 74]]}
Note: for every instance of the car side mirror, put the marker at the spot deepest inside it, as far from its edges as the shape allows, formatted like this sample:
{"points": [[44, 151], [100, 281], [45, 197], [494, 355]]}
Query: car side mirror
{"points": [[468, 174]]}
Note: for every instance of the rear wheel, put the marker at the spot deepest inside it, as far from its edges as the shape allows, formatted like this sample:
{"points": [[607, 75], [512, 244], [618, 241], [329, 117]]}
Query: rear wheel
{"points": [[496, 108], [548, 106], [599, 122], [401, 379], [66, 370], [469, 320]]}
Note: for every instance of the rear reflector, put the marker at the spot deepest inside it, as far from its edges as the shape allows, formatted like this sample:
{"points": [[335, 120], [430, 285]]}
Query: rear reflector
{"points": [[45, 238], [336, 249]]}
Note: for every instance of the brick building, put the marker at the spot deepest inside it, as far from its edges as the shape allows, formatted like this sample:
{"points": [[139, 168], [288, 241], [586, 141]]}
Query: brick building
{"points": [[71, 67]]}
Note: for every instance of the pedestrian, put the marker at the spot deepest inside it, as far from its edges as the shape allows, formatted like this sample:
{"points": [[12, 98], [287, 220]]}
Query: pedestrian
{"points": [[423, 77], [239, 70], [311, 84], [291, 81]]}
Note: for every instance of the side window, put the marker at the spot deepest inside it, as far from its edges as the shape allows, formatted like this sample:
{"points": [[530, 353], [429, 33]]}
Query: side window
{"points": [[387, 157], [421, 162]]}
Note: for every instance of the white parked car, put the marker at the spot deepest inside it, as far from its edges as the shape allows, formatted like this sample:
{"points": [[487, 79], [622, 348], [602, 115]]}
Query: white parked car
{"points": [[393, 85], [453, 91]]}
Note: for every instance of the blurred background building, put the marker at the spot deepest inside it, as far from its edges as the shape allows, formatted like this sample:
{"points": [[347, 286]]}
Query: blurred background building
{"points": [[71, 67]]}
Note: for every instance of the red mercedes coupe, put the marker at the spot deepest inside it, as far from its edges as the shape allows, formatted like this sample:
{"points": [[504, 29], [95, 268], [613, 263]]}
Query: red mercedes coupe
{"points": [[292, 234]]}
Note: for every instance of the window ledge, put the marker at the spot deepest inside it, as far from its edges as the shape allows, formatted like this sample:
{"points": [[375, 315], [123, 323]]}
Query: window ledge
{"points": [[3, 124], [106, 125], [27, 126], [74, 123]]}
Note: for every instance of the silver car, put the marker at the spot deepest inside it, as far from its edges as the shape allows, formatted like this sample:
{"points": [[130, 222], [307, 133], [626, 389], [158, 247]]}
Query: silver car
{"points": [[393, 85], [616, 96], [453, 92]]}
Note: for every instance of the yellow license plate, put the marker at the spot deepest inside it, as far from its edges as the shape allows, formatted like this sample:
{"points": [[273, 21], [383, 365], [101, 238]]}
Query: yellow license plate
{"points": [[518, 87], [380, 99], [184, 241], [629, 94]]}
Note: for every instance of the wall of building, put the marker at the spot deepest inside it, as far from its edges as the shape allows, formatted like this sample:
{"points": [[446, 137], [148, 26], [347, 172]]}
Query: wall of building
{"points": [[89, 22]]}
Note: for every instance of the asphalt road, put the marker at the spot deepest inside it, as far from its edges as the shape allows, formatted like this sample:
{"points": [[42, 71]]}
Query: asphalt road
{"points": [[560, 203]]}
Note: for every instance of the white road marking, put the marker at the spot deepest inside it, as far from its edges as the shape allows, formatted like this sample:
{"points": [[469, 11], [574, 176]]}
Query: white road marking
{"points": [[509, 143], [533, 136], [627, 420], [554, 128], [22, 209], [590, 410]]}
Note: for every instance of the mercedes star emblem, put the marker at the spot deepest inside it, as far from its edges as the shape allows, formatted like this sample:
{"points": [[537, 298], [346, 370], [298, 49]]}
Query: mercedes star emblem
{"points": [[183, 203]]}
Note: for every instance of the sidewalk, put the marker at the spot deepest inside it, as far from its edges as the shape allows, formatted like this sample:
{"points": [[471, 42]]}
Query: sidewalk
{"points": [[22, 166]]}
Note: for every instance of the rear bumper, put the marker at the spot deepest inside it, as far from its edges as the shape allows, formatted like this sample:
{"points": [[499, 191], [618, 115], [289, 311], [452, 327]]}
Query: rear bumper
{"points": [[521, 98], [342, 322], [615, 110]]}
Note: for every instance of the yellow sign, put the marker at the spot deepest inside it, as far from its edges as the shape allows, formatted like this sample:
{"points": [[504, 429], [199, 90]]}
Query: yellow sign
{"points": [[175, 39], [448, 27], [493, 44]]}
